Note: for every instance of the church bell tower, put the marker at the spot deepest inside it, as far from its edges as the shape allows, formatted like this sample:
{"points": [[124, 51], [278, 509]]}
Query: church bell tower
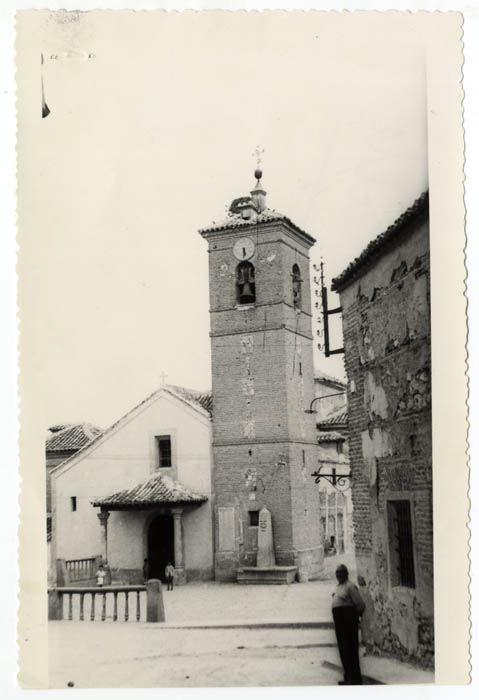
{"points": [[264, 444]]}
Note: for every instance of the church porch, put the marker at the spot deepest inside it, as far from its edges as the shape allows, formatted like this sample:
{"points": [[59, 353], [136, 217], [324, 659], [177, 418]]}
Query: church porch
{"points": [[146, 527]]}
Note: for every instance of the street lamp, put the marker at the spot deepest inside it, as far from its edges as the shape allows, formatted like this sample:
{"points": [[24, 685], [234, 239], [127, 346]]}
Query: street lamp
{"points": [[341, 482], [320, 398]]}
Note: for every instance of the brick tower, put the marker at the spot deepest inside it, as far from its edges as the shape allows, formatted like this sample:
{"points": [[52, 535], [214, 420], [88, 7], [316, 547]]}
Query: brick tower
{"points": [[264, 444]]}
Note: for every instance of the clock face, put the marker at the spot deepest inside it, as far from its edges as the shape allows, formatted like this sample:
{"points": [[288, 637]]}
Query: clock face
{"points": [[243, 249]]}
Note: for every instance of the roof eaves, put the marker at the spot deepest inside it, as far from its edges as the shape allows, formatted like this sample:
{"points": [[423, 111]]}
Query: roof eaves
{"points": [[194, 399], [270, 217], [82, 452], [381, 243]]}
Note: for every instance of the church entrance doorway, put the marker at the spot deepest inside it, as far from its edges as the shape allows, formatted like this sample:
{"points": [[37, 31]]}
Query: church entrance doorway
{"points": [[161, 547]]}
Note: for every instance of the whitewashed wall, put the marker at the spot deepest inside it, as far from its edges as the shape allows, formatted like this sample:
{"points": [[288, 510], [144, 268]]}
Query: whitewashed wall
{"points": [[121, 460]]}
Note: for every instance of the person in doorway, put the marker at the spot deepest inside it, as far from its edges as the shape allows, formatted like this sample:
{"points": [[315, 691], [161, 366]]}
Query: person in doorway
{"points": [[100, 575], [348, 606], [169, 573], [146, 570]]}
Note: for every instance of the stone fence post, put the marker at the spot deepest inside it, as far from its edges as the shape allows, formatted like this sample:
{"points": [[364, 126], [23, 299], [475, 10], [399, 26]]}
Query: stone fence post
{"points": [[55, 605], [63, 577], [155, 610]]}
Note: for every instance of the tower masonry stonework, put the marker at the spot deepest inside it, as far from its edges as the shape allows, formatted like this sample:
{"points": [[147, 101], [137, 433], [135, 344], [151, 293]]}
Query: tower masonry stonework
{"points": [[264, 444]]}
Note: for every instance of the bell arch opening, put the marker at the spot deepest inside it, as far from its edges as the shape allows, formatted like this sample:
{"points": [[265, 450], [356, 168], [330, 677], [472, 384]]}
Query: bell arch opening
{"points": [[245, 283], [297, 281]]}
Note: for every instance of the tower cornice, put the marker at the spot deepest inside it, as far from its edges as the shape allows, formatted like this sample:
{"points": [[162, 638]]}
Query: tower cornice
{"points": [[265, 221]]}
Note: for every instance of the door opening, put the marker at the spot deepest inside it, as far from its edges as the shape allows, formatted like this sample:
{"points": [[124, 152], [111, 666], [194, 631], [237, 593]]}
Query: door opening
{"points": [[161, 549]]}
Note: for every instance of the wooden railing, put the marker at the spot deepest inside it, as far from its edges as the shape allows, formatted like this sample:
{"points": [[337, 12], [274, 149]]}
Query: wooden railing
{"points": [[90, 603]]}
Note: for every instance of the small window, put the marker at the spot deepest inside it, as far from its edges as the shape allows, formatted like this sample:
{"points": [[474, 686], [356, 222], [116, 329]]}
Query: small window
{"points": [[164, 450], [245, 283], [401, 557], [413, 445], [73, 502], [253, 518], [296, 275], [339, 447]]}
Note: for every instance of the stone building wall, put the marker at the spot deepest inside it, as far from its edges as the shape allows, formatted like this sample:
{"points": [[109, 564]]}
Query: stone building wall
{"points": [[386, 326]]}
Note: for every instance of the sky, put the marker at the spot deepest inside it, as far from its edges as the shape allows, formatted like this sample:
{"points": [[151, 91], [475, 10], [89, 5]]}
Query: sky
{"points": [[152, 137]]}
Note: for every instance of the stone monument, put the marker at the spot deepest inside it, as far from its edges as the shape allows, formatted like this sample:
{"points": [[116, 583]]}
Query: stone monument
{"points": [[265, 540], [266, 570]]}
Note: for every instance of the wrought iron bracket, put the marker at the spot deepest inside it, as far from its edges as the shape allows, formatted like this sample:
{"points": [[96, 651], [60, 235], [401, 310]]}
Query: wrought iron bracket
{"points": [[326, 314], [341, 482]]}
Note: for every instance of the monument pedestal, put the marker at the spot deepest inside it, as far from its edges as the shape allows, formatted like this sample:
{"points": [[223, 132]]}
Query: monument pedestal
{"points": [[266, 570], [266, 574]]}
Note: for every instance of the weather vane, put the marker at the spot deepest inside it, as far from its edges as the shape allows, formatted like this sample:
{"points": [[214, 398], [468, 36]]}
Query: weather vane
{"points": [[258, 152]]}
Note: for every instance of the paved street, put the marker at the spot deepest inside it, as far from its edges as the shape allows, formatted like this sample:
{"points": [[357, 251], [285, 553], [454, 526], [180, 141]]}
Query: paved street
{"points": [[188, 650], [137, 655]]}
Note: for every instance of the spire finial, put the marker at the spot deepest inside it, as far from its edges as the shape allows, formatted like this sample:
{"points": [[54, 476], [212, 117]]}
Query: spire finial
{"points": [[258, 152], [258, 195]]}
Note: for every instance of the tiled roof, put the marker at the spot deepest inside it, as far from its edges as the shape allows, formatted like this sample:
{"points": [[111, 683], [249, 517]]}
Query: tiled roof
{"points": [[201, 400], [59, 426], [337, 460], [334, 419], [204, 399], [330, 436], [72, 437], [156, 490], [318, 376], [234, 221], [381, 242]]}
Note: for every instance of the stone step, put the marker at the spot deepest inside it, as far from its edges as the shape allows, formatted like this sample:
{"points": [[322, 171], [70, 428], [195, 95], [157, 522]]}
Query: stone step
{"points": [[266, 574]]}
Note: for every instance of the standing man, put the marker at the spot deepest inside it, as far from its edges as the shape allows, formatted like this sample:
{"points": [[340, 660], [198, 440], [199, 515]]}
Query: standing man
{"points": [[348, 606]]}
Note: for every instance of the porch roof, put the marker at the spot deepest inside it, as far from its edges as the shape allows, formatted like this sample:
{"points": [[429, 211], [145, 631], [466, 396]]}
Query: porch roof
{"points": [[157, 490]]}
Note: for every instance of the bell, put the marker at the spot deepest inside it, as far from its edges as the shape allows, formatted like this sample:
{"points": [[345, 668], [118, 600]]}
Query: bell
{"points": [[247, 295]]}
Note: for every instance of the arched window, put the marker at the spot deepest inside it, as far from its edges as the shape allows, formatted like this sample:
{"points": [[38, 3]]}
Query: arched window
{"points": [[296, 286], [245, 284]]}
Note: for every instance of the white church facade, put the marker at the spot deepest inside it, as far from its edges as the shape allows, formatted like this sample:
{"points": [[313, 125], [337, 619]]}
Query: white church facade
{"points": [[141, 490]]}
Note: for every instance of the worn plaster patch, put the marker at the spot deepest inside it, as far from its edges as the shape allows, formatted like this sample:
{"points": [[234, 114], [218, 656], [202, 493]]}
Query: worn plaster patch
{"points": [[249, 429], [247, 386], [247, 344], [376, 444], [375, 400]]}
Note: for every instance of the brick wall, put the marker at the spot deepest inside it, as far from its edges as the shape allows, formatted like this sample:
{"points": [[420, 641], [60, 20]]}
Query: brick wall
{"points": [[264, 445], [386, 326]]}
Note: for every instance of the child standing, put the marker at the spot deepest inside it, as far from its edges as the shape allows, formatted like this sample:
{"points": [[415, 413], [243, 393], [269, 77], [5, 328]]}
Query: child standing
{"points": [[100, 575], [169, 573]]}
